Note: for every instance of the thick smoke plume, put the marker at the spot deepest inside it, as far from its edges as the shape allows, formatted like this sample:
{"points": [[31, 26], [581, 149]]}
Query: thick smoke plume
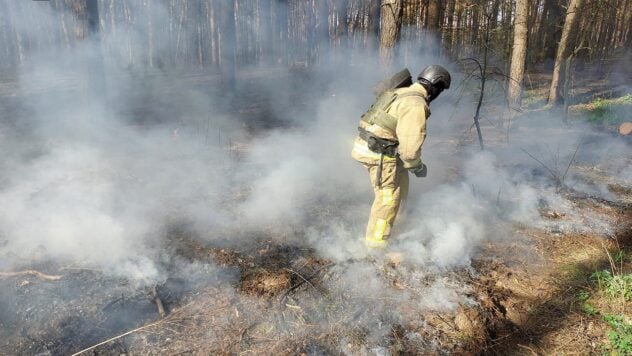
{"points": [[97, 180]]}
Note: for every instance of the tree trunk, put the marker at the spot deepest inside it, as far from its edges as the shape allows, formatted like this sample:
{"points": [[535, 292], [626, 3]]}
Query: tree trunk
{"points": [[7, 57], [321, 29], [227, 41], [17, 41], [150, 35], [518, 54], [86, 28], [434, 7], [338, 22], [563, 50], [550, 30], [390, 27], [449, 25], [212, 33], [626, 35], [373, 26], [266, 32], [433, 23], [79, 9]]}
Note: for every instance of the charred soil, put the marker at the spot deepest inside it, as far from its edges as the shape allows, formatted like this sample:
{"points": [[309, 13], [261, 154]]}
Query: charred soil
{"points": [[282, 300]]}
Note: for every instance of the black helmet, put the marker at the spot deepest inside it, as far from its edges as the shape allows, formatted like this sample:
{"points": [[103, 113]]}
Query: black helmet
{"points": [[435, 75]]}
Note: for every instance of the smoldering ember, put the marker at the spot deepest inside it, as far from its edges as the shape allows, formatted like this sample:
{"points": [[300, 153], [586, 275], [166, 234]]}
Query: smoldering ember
{"points": [[311, 177]]}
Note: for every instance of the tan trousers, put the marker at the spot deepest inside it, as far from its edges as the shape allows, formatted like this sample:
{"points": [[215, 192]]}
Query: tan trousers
{"points": [[389, 200]]}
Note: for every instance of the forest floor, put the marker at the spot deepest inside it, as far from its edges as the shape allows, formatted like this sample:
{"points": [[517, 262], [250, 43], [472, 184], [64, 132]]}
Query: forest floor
{"points": [[533, 293], [563, 288]]}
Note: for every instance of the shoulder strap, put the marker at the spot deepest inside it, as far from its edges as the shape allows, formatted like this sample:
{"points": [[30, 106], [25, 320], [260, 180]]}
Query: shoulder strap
{"points": [[410, 93]]}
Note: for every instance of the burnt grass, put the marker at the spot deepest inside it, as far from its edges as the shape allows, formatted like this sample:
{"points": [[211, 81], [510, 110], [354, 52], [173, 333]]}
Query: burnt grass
{"points": [[269, 296], [60, 317]]}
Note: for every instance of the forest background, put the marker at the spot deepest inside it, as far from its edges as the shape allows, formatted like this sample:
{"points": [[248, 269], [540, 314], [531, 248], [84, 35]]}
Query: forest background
{"points": [[547, 36]]}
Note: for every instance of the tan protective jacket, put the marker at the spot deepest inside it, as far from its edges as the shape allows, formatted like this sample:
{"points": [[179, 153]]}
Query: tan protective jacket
{"points": [[411, 112]]}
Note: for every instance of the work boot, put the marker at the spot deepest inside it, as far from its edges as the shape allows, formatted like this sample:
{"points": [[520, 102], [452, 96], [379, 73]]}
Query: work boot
{"points": [[373, 243]]}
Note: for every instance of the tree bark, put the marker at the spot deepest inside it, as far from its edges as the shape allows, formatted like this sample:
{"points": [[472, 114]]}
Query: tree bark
{"points": [[434, 7], [433, 24], [390, 28], [79, 9], [626, 33], [563, 49], [518, 54]]}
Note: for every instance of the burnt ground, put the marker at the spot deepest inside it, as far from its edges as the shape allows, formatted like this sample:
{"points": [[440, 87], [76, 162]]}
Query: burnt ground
{"points": [[519, 295]]}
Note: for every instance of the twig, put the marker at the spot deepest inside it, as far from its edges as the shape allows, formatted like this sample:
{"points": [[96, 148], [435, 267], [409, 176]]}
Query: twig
{"points": [[555, 176], [159, 305], [613, 266], [110, 304], [34, 273], [451, 326], [572, 158], [242, 335], [304, 280], [301, 277], [528, 348], [116, 337], [482, 69], [79, 269]]}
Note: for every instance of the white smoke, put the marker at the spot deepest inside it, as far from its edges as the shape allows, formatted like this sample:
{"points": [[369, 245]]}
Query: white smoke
{"points": [[87, 184]]}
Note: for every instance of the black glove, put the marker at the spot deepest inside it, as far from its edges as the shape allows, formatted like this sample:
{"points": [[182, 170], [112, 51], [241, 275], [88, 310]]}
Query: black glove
{"points": [[420, 171]]}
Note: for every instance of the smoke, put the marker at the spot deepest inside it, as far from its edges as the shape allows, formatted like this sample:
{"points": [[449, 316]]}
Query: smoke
{"points": [[97, 181]]}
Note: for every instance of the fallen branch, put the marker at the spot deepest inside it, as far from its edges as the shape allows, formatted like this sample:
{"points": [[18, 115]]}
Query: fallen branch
{"points": [[159, 305], [116, 338], [34, 273]]}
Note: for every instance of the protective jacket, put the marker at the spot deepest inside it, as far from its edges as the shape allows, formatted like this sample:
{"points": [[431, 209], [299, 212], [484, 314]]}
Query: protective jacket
{"points": [[401, 119], [391, 134]]}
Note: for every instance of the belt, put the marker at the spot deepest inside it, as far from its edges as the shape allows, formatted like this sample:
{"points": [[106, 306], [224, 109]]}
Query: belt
{"points": [[379, 145]]}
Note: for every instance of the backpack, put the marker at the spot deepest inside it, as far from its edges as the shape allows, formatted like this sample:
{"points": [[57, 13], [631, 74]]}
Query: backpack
{"points": [[386, 95]]}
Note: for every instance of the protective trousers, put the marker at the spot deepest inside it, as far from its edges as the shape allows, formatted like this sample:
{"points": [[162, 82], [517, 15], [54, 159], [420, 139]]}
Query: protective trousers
{"points": [[389, 199]]}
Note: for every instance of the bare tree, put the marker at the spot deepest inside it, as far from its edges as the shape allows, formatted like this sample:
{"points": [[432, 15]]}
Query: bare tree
{"points": [[518, 54]]}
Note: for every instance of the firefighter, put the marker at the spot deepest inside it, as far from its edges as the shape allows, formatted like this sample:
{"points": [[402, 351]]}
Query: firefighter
{"points": [[391, 134]]}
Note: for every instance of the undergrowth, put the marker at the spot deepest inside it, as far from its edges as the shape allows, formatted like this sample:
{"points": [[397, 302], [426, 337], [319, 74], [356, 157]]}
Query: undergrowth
{"points": [[620, 336], [603, 110], [612, 290], [615, 286]]}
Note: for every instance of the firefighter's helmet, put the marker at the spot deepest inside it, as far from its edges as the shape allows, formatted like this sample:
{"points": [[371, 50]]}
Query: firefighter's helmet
{"points": [[436, 75]]}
